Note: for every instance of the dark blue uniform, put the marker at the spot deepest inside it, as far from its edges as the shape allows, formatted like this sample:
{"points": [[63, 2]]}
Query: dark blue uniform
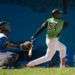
{"points": [[4, 53]]}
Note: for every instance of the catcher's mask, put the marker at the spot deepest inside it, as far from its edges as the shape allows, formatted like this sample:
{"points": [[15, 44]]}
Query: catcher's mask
{"points": [[4, 27]]}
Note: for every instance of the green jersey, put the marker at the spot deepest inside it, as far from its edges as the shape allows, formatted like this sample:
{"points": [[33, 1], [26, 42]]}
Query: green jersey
{"points": [[54, 27]]}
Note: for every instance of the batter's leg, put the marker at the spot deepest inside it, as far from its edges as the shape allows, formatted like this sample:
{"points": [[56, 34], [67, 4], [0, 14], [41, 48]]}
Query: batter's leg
{"points": [[62, 54], [50, 53]]}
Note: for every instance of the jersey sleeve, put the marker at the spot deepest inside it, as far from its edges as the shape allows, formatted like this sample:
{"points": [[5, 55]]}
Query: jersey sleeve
{"points": [[3, 42]]}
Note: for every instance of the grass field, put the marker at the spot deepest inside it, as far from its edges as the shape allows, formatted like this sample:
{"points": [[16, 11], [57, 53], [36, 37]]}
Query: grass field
{"points": [[38, 71]]}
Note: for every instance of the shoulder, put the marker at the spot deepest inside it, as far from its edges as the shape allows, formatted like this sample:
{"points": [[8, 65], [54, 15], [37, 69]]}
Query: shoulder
{"points": [[49, 19], [3, 39], [2, 35]]}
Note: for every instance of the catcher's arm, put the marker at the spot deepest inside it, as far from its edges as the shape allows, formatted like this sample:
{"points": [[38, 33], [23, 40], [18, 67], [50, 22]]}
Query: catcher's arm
{"points": [[43, 26], [25, 46], [11, 45]]}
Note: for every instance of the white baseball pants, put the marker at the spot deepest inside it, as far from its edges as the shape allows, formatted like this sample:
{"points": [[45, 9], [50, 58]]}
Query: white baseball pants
{"points": [[53, 45]]}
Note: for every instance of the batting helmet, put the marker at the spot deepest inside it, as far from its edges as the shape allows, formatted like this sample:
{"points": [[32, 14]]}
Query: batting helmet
{"points": [[56, 11]]}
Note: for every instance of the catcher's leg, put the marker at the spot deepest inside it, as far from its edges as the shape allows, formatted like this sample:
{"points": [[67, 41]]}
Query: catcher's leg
{"points": [[3, 59], [12, 59], [48, 56]]}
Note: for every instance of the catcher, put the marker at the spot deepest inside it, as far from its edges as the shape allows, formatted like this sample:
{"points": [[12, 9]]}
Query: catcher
{"points": [[6, 55]]}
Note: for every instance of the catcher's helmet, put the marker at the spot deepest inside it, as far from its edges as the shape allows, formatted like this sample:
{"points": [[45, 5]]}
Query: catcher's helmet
{"points": [[5, 26]]}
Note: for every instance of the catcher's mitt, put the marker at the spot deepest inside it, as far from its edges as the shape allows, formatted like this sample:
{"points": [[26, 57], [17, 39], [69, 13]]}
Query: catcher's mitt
{"points": [[27, 46]]}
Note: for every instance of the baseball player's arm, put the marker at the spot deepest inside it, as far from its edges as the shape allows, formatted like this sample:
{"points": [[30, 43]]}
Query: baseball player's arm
{"points": [[4, 42], [24, 47], [64, 27], [43, 26], [12, 45]]}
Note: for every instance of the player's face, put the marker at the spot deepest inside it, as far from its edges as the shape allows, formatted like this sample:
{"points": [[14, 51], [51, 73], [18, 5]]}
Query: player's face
{"points": [[4, 30], [57, 15]]}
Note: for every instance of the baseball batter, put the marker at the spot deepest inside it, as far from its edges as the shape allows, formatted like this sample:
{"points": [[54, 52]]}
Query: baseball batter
{"points": [[54, 26]]}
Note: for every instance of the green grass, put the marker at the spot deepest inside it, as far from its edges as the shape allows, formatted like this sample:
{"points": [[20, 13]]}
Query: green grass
{"points": [[38, 71]]}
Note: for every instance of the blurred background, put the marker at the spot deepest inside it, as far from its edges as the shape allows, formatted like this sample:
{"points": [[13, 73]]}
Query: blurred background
{"points": [[25, 16]]}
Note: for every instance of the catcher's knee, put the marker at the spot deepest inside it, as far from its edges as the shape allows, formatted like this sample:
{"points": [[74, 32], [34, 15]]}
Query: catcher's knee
{"points": [[3, 62], [13, 59]]}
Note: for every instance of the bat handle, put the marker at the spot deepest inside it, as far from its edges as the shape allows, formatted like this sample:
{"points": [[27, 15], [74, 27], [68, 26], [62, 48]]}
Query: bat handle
{"points": [[33, 39]]}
